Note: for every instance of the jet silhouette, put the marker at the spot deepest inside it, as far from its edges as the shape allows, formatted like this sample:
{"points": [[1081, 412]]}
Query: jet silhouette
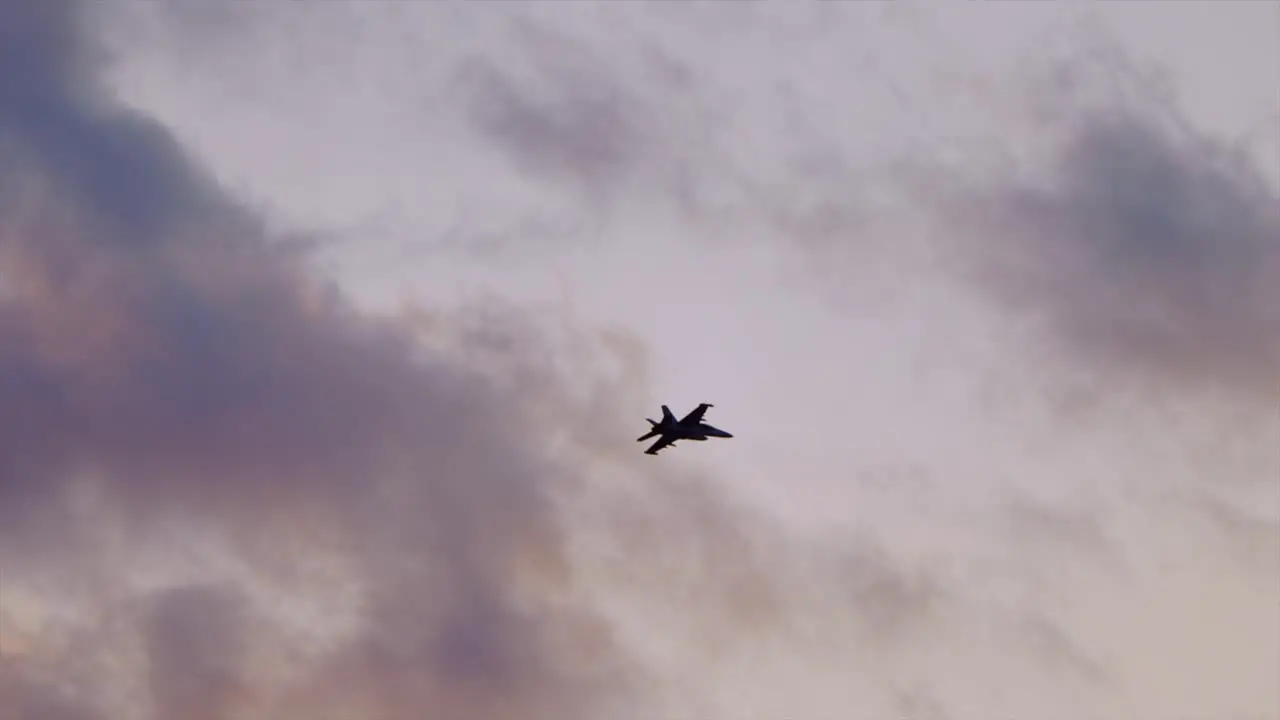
{"points": [[690, 427]]}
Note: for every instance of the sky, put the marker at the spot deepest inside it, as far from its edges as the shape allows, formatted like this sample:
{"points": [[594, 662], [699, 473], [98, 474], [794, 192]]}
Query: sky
{"points": [[327, 329]]}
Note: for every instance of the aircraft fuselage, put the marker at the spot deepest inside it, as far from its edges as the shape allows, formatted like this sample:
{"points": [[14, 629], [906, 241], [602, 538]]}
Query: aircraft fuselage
{"points": [[699, 432], [690, 427]]}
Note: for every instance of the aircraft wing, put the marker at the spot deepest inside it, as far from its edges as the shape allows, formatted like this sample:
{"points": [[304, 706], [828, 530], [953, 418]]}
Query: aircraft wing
{"points": [[695, 416], [662, 442]]}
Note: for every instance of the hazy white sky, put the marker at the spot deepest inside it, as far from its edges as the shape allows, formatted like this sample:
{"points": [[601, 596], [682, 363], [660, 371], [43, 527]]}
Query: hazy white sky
{"points": [[985, 291]]}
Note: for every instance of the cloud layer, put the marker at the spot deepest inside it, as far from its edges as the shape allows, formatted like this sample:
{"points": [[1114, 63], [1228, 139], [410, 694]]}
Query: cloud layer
{"points": [[165, 364], [1145, 246], [224, 492]]}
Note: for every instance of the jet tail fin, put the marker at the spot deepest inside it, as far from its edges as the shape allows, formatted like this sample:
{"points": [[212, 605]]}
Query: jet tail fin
{"points": [[667, 416], [654, 430]]}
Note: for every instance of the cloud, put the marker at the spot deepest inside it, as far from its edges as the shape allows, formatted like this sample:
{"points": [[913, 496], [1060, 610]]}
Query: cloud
{"points": [[223, 492], [195, 640], [619, 122], [576, 126], [27, 696], [175, 381], [1144, 247]]}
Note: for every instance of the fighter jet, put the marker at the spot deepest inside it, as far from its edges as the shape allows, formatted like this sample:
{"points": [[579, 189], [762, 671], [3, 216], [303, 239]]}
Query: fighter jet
{"points": [[690, 427]]}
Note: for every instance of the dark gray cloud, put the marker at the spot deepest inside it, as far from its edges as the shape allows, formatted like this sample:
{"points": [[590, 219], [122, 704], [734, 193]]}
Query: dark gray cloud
{"points": [[122, 168], [195, 648], [26, 695], [577, 130], [1145, 246], [1061, 529], [895, 604], [163, 356], [176, 384], [558, 113], [1054, 647], [42, 40], [158, 351], [620, 132]]}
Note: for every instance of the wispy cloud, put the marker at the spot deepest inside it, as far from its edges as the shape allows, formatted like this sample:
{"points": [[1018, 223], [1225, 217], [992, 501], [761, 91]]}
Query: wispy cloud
{"points": [[1145, 246], [225, 492], [162, 356]]}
